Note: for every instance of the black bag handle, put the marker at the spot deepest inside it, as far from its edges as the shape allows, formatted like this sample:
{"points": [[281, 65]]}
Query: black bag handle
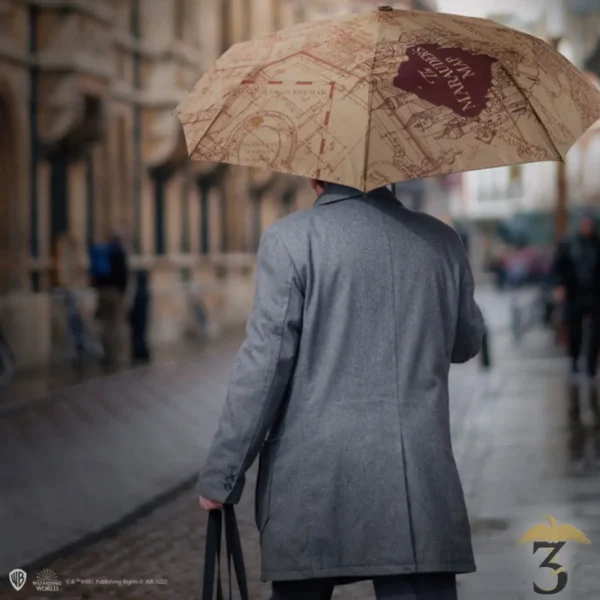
{"points": [[234, 554], [212, 556]]}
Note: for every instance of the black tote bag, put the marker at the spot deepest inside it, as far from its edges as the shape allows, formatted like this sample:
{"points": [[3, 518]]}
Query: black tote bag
{"points": [[212, 556]]}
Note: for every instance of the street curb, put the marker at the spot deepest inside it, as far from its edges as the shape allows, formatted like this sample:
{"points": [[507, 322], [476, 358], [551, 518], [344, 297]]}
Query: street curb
{"points": [[105, 532]]}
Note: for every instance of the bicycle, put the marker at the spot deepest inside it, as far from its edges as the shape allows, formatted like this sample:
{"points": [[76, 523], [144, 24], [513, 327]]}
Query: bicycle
{"points": [[82, 344]]}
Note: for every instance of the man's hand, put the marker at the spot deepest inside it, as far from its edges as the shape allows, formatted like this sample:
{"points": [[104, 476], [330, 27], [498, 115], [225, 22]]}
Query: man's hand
{"points": [[207, 504]]}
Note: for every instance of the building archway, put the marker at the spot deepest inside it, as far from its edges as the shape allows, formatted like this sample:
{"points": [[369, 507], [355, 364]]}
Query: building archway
{"points": [[8, 193]]}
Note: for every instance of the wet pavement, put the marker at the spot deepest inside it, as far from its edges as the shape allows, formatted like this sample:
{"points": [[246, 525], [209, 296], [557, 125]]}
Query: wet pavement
{"points": [[87, 456], [519, 457], [38, 383]]}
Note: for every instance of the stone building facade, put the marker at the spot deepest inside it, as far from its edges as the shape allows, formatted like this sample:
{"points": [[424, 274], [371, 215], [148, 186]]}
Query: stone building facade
{"points": [[89, 145]]}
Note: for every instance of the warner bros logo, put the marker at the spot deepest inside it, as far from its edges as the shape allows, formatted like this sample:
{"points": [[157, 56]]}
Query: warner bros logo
{"points": [[17, 578]]}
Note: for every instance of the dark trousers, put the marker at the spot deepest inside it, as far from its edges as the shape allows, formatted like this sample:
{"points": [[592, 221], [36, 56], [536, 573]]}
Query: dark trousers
{"points": [[425, 586], [139, 327], [139, 347], [576, 316]]}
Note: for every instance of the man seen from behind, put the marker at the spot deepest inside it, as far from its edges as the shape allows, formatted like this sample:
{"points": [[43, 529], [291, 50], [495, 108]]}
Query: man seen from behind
{"points": [[341, 387]]}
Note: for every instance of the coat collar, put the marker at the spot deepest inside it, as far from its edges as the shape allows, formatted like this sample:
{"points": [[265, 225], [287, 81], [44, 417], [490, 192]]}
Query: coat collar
{"points": [[336, 193]]}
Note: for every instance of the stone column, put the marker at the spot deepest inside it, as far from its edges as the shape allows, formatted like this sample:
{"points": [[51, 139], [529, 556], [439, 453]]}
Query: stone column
{"points": [[235, 197], [262, 17], [157, 21], [256, 199], [237, 20]]}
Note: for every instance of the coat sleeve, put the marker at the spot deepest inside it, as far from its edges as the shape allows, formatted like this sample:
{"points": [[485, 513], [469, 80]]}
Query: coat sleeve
{"points": [[260, 374], [470, 325]]}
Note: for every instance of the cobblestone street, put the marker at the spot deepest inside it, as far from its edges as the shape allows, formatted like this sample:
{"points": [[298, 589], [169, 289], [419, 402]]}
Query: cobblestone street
{"points": [[168, 545], [514, 450]]}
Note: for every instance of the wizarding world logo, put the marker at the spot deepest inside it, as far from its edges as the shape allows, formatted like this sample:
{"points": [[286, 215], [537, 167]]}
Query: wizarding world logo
{"points": [[553, 537], [47, 581]]}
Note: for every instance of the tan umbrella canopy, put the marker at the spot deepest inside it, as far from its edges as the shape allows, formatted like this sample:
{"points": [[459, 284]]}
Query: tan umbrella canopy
{"points": [[386, 96]]}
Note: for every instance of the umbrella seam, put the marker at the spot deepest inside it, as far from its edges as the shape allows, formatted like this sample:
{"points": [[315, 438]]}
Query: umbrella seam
{"points": [[530, 103], [212, 121], [226, 104], [370, 101]]}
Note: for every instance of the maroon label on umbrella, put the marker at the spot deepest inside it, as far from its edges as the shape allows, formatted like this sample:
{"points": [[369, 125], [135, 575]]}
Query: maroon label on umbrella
{"points": [[452, 77]]}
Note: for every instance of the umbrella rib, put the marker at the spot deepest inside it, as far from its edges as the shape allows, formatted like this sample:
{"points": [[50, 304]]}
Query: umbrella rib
{"points": [[226, 104], [533, 109], [212, 121], [369, 102]]}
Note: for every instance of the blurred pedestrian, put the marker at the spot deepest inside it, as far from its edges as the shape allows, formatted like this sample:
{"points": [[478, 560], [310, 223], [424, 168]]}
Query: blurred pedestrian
{"points": [[341, 386], [109, 272], [139, 319], [576, 272]]}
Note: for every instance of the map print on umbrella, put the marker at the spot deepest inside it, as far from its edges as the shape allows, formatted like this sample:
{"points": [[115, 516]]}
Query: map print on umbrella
{"points": [[269, 136], [452, 77], [386, 96]]}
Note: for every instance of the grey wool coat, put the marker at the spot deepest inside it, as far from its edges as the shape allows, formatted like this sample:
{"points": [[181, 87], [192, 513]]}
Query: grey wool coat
{"points": [[341, 386]]}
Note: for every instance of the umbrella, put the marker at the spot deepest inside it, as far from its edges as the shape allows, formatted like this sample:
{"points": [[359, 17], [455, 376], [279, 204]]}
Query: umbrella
{"points": [[386, 96]]}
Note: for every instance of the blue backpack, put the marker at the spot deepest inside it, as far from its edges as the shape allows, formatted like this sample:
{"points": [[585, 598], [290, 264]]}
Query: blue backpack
{"points": [[100, 261]]}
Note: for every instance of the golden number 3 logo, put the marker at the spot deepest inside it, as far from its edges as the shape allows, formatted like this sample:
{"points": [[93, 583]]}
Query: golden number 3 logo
{"points": [[553, 537], [559, 570]]}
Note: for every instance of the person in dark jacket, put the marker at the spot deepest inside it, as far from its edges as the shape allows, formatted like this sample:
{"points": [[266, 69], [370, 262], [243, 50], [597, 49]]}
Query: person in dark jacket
{"points": [[576, 272], [118, 274], [139, 319], [577, 275], [111, 302]]}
